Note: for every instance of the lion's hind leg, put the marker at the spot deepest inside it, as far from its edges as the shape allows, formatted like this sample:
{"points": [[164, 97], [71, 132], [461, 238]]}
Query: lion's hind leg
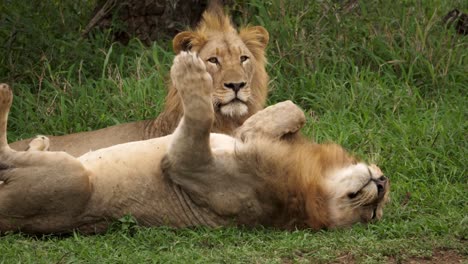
{"points": [[40, 192], [40, 143], [6, 98]]}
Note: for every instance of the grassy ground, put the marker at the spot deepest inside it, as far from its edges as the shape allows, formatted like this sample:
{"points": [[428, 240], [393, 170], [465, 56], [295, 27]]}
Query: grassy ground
{"points": [[388, 81]]}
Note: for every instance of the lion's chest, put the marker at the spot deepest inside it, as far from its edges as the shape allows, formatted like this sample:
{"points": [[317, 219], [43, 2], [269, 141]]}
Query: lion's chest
{"points": [[223, 144]]}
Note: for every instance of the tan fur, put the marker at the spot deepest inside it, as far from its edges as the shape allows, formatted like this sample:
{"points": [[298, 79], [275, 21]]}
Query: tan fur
{"points": [[266, 175], [214, 36]]}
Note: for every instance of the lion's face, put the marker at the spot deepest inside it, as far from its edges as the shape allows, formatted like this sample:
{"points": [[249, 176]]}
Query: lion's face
{"points": [[358, 194], [235, 60], [231, 66]]}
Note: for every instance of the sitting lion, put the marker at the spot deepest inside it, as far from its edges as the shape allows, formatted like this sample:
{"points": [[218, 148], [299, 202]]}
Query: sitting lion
{"points": [[236, 62], [266, 175]]}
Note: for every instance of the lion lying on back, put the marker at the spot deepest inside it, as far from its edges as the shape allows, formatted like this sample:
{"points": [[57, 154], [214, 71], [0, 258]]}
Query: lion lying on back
{"points": [[266, 175], [236, 62]]}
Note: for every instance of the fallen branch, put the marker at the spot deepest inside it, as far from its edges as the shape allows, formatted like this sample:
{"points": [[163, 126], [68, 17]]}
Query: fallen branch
{"points": [[105, 9]]}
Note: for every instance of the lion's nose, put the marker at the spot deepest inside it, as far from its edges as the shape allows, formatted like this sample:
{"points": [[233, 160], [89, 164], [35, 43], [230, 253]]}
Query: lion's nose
{"points": [[381, 182], [235, 86]]}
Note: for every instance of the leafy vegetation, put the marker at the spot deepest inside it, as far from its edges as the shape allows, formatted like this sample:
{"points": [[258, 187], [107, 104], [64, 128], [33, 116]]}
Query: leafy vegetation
{"points": [[386, 80]]}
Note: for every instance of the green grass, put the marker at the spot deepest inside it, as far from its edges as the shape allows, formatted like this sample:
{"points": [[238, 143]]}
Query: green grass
{"points": [[387, 81]]}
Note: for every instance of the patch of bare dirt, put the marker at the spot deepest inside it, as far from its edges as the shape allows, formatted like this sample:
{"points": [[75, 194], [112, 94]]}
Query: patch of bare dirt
{"points": [[439, 256]]}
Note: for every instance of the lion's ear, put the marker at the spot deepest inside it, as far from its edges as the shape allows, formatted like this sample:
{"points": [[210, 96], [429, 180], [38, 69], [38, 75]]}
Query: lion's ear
{"points": [[181, 41], [255, 37], [186, 41]]}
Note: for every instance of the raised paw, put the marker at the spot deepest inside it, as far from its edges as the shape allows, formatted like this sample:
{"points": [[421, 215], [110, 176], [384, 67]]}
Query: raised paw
{"points": [[40, 143], [274, 121], [6, 97], [376, 169], [189, 75]]}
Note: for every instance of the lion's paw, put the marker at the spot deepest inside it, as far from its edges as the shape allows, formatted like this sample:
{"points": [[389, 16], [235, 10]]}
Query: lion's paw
{"points": [[189, 75], [6, 97], [274, 121], [376, 169], [40, 143]]}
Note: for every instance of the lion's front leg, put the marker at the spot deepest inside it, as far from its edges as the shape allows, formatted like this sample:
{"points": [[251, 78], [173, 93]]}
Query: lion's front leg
{"points": [[190, 163], [190, 144]]}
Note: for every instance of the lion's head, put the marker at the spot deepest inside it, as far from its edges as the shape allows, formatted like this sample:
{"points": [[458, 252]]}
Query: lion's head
{"points": [[236, 62], [358, 194], [354, 191], [316, 185]]}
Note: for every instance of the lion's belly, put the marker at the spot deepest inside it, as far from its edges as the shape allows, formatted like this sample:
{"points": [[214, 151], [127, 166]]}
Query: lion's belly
{"points": [[125, 160], [127, 179]]}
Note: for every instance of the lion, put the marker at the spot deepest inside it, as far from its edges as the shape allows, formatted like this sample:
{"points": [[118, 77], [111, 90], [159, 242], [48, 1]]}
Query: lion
{"points": [[267, 174], [236, 62]]}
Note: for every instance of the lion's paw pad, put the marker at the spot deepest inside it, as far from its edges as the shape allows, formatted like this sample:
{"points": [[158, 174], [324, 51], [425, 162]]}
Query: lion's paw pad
{"points": [[189, 61], [189, 75]]}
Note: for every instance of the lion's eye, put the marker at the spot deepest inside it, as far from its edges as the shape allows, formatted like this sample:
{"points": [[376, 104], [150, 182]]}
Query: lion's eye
{"points": [[243, 58], [353, 195], [213, 60]]}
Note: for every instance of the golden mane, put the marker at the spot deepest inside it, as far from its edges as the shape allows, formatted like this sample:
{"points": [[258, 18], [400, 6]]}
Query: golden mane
{"points": [[295, 171], [214, 19]]}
